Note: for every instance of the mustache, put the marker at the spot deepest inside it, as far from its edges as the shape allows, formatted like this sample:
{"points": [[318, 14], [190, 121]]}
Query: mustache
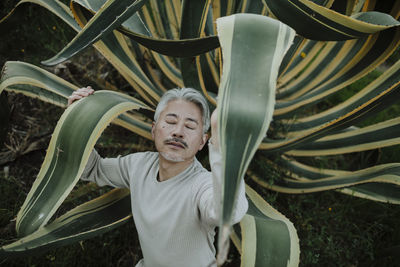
{"points": [[176, 140]]}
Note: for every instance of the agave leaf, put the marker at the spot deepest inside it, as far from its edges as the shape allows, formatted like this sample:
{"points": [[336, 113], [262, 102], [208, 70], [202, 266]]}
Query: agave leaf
{"points": [[69, 149], [267, 237], [194, 17], [32, 81], [37, 92], [245, 102], [290, 56], [134, 22], [349, 65], [175, 48], [299, 62], [111, 15], [181, 48], [382, 192], [56, 7], [369, 108], [208, 74], [112, 46], [169, 68], [321, 23], [382, 187], [135, 123], [90, 219], [116, 50], [375, 136], [154, 13], [201, 72], [322, 180], [251, 6], [170, 16], [167, 65], [388, 79], [322, 65], [310, 72], [358, 60]]}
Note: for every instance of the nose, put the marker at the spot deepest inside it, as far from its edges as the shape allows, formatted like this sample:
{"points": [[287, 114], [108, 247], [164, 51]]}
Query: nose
{"points": [[178, 130]]}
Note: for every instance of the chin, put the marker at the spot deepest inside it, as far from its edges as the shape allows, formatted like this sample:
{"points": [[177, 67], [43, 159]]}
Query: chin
{"points": [[171, 158]]}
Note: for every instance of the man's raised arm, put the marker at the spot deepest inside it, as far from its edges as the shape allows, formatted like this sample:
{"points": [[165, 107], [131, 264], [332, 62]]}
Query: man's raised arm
{"points": [[209, 204]]}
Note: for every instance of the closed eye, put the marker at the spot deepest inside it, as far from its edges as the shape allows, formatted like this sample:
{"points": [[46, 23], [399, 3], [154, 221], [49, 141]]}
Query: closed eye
{"points": [[171, 118], [170, 122], [191, 125]]}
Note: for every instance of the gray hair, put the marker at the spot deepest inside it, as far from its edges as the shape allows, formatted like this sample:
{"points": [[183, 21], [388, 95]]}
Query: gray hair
{"points": [[188, 94]]}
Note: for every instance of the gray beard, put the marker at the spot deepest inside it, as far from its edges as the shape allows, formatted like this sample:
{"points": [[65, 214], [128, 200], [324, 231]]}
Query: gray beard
{"points": [[169, 157]]}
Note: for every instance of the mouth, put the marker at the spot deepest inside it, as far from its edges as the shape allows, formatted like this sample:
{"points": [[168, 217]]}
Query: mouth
{"points": [[176, 143]]}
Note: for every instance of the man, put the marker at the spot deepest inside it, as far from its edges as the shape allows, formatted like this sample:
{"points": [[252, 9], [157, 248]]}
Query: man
{"points": [[174, 198]]}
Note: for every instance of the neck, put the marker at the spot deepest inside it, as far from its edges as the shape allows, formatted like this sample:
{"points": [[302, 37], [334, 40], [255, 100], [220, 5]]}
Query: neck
{"points": [[169, 169]]}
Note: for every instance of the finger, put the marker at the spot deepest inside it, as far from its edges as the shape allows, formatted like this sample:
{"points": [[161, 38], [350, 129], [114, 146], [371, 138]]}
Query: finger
{"points": [[83, 91], [73, 98], [87, 88], [79, 94]]}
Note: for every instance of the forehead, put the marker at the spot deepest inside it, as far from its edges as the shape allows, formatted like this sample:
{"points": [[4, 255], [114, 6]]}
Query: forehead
{"points": [[182, 108]]}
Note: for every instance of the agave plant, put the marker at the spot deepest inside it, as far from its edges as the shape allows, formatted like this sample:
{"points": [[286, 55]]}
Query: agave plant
{"points": [[259, 69]]}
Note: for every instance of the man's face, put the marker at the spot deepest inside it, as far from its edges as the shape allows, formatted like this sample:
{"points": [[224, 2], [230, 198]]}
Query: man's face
{"points": [[178, 132]]}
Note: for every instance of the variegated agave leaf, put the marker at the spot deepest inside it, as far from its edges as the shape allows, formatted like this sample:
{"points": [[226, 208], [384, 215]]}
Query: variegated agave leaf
{"points": [[70, 146], [253, 47], [90, 219], [265, 237], [311, 71]]}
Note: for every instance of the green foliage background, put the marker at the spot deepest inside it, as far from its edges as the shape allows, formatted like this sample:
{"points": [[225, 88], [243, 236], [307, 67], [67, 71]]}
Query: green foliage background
{"points": [[334, 229]]}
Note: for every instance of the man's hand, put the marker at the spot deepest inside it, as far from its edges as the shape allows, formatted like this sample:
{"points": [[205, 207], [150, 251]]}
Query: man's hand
{"points": [[80, 93], [214, 128]]}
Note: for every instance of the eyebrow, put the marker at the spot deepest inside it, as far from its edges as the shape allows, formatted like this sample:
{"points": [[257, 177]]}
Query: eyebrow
{"points": [[176, 116]]}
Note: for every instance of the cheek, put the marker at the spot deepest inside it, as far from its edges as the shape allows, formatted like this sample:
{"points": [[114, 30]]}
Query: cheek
{"points": [[188, 132], [197, 140], [162, 127], [165, 126], [162, 131]]}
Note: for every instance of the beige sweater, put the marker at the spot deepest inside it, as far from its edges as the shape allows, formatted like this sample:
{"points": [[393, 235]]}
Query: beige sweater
{"points": [[176, 218]]}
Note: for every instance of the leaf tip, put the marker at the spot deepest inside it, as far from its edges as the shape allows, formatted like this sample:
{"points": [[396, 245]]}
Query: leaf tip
{"points": [[53, 61]]}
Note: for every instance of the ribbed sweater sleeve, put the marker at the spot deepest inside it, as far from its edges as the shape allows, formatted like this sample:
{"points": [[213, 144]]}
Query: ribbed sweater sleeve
{"points": [[107, 171], [211, 196]]}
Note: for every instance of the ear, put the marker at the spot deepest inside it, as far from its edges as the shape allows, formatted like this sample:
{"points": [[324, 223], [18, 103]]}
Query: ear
{"points": [[204, 139], [153, 126]]}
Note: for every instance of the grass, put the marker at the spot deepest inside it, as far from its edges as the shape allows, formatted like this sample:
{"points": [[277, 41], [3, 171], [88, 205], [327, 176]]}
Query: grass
{"points": [[334, 229]]}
